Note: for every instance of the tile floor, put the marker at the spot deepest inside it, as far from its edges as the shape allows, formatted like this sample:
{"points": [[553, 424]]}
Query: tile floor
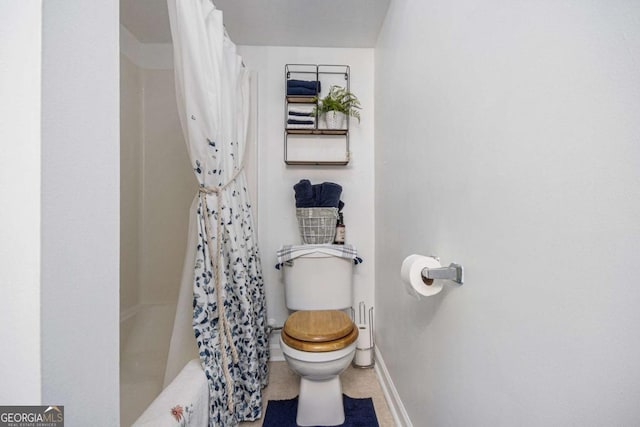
{"points": [[284, 384]]}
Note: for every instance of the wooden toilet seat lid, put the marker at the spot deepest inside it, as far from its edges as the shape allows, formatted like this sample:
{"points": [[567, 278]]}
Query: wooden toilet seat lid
{"points": [[319, 330]]}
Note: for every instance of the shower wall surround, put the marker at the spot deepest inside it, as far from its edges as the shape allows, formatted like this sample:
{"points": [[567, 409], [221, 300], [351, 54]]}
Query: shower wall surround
{"points": [[157, 180], [157, 187]]}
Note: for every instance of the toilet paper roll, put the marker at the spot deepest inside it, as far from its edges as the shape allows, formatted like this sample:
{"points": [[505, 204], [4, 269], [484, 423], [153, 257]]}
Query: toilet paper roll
{"points": [[364, 336], [364, 357], [411, 274]]}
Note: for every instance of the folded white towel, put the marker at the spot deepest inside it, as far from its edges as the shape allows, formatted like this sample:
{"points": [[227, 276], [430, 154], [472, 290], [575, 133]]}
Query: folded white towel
{"points": [[301, 110], [293, 126], [185, 402], [305, 118]]}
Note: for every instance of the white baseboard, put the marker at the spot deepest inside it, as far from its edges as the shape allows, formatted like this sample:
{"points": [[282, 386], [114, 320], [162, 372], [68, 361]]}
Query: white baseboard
{"points": [[398, 412], [275, 352]]}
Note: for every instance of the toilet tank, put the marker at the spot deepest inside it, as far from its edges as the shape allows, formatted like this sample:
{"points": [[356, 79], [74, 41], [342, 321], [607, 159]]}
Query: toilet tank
{"points": [[318, 282]]}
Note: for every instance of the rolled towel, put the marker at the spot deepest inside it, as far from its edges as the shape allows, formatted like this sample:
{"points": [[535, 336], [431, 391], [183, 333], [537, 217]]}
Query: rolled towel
{"points": [[304, 194], [314, 84], [328, 195], [303, 91], [306, 203]]}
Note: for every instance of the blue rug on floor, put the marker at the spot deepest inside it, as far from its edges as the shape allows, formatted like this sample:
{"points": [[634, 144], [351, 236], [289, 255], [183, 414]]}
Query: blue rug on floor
{"points": [[358, 413]]}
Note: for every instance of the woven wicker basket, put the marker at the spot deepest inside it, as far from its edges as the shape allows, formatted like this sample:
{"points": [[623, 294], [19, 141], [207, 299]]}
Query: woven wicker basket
{"points": [[317, 225]]}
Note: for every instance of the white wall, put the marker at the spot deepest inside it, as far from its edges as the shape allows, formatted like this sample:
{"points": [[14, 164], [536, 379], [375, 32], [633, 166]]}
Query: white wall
{"points": [[20, 76], [508, 139], [80, 210], [277, 224]]}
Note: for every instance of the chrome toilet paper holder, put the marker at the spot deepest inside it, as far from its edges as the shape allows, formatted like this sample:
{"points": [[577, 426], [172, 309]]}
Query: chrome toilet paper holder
{"points": [[454, 272]]}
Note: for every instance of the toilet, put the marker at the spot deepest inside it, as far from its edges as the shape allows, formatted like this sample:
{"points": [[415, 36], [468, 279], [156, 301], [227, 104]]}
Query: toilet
{"points": [[319, 339]]}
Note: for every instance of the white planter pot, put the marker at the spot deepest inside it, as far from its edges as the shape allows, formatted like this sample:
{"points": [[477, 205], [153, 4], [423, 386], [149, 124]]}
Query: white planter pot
{"points": [[334, 120]]}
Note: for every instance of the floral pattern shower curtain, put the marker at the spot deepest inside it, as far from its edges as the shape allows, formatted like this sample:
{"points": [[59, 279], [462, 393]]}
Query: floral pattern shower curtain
{"points": [[229, 317]]}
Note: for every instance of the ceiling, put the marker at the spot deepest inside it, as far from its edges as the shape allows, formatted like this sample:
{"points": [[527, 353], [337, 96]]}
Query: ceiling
{"points": [[313, 23]]}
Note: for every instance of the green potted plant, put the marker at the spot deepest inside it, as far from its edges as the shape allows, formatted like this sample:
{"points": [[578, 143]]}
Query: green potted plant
{"points": [[335, 105]]}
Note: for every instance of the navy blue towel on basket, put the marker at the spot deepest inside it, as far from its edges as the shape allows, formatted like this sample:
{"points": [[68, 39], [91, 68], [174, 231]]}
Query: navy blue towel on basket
{"points": [[328, 195], [325, 195], [305, 194]]}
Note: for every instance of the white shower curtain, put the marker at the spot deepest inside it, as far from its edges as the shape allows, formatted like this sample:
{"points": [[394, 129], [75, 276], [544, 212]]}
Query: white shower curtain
{"points": [[229, 310]]}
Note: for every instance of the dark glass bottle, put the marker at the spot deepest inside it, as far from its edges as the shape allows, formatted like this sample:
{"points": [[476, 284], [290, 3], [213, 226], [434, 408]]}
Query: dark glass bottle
{"points": [[340, 231]]}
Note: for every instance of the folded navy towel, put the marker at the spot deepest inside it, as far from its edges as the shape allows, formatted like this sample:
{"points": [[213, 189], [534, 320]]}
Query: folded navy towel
{"points": [[300, 122], [299, 113], [301, 110], [301, 91], [314, 84]]}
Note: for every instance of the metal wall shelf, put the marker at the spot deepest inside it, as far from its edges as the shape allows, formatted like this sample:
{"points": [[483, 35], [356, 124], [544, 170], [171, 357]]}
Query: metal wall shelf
{"points": [[318, 131], [309, 147], [317, 163]]}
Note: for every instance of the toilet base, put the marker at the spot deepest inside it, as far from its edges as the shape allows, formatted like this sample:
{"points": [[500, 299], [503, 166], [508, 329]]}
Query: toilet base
{"points": [[320, 403]]}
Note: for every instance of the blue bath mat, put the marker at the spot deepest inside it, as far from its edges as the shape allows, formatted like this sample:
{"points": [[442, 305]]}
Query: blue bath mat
{"points": [[357, 412]]}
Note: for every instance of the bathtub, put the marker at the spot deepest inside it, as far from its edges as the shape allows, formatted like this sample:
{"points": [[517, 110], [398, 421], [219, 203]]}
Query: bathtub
{"points": [[145, 332]]}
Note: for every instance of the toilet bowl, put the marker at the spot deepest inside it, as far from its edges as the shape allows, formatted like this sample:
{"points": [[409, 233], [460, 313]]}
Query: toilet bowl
{"points": [[319, 345]]}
